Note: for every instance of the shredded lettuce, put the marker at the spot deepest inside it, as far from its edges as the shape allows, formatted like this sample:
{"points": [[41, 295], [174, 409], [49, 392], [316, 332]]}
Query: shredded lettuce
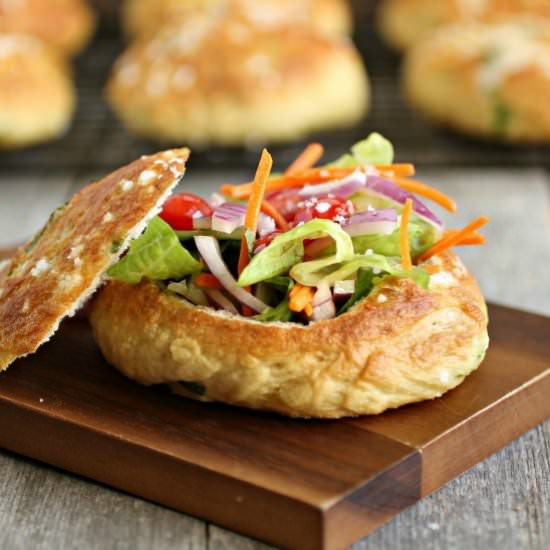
{"points": [[363, 287], [375, 149], [281, 312], [157, 255], [188, 235], [331, 270], [287, 250], [421, 236]]}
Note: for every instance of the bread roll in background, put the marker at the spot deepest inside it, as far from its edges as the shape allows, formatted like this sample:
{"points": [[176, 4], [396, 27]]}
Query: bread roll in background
{"points": [[37, 95], [145, 17], [65, 24], [211, 81], [486, 80], [406, 23]]}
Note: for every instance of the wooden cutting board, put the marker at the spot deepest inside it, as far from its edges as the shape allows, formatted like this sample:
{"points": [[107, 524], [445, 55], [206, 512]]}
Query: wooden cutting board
{"points": [[293, 483]]}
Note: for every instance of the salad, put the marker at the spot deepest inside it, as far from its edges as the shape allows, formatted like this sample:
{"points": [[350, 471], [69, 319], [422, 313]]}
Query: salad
{"points": [[302, 246]]}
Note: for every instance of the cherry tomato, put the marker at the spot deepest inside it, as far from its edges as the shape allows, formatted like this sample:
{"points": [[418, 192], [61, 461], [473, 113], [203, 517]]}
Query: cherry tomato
{"points": [[180, 210], [286, 202], [326, 208], [266, 239]]}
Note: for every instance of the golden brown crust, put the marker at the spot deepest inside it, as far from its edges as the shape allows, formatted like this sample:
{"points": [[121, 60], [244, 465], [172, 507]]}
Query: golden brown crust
{"points": [[50, 276], [229, 84], [145, 17], [406, 23], [485, 80], [402, 344], [65, 24], [36, 92]]}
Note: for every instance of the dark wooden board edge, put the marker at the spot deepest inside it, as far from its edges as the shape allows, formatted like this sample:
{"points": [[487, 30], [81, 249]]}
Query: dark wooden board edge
{"points": [[251, 510], [464, 446]]}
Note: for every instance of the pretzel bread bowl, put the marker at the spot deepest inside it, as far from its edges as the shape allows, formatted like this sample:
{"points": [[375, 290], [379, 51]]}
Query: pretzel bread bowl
{"points": [[333, 17], [207, 82], [37, 95], [64, 24], [490, 81], [327, 317], [406, 23]]}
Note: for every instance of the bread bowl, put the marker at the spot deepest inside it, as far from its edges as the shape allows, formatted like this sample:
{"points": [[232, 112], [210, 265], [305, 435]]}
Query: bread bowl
{"points": [[209, 83], [490, 81], [37, 95], [354, 305], [333, 17], [64, 24], [406, 23]]}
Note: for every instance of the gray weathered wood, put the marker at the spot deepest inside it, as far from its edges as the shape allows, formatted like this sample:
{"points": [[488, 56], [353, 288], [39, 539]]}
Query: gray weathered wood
{"points": [[503, 502]]}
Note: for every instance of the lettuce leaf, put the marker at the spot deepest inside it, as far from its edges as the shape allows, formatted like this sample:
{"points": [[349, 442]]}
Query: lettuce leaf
{"points": [[421, 237], [287, 250], [331, 270], [157, 255], [375, 149], [281, 312]]}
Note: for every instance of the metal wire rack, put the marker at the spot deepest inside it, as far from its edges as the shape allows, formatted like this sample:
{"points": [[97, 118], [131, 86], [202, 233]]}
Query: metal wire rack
{"points": [[97, 141]]}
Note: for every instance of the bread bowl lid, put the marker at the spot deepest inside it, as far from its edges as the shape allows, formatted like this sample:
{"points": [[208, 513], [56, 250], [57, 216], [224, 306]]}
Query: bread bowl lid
{"points": [[54, 273]]}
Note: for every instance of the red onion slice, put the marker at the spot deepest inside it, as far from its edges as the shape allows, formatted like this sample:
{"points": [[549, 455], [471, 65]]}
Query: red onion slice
{"points": [[388, 189], [209, 250], [218, 299], [228, 217], [369, 222], [340, 188], [323, 304]]}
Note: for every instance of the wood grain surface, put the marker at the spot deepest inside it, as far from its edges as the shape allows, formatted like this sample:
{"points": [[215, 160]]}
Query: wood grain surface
{"points": [[329, 483], [503, 502]]}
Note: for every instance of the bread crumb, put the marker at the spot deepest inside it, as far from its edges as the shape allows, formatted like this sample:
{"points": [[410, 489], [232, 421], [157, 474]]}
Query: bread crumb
{"points": [[184, 78], [108, 217], [381, 298]]}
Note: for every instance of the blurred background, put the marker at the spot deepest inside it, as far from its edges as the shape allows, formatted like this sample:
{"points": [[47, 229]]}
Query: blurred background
{"points": [[503, 172]]}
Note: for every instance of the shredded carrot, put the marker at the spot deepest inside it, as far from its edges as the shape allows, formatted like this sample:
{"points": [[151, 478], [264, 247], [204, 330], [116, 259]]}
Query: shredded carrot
{"points": [[431, 268], [470, 239], [254, 204], [306, 159], [314, 176], [207, 280], [424, 190], [270, 210], [300, 297], [311, 176], [403, 170], [308, 310], [404, 247], [454, 238]]}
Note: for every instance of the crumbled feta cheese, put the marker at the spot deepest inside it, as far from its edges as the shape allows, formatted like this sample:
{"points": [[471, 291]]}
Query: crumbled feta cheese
{"points": [[41, 266], [146, 177], [369, 252], [126, 185], [376, 270], [381, 298]]}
